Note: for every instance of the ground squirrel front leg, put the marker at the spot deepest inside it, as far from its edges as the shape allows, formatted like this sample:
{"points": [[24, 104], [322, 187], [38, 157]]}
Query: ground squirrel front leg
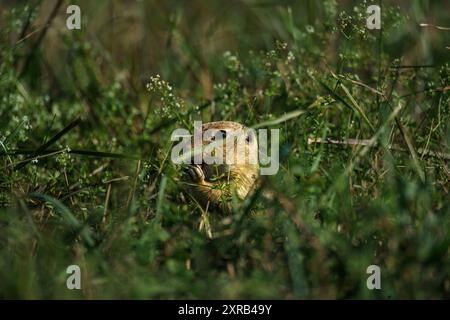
{"points": [[206, 191]]}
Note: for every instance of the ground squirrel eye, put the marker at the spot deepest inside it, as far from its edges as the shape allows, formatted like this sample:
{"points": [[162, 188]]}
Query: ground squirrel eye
{"points": [[223, 135]]}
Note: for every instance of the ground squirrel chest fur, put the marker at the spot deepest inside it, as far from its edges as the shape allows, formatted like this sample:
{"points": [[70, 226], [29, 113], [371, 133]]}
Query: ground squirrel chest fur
{"points": [[212, 185]]}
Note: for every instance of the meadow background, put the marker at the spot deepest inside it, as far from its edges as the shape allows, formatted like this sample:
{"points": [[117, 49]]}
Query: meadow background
{"points": [[85, 171]]}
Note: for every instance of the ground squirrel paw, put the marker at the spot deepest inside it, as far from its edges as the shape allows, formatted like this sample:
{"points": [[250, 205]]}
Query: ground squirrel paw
{"points": [[194, 173]]}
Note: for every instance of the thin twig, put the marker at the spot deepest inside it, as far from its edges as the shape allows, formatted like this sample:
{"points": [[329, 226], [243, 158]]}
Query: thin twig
{"points": [[367, 142], [133, 189], [105, 210], [434, 26]]}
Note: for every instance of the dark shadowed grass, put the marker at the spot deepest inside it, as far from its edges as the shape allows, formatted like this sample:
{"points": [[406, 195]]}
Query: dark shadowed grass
{"points": [[364, 151]]}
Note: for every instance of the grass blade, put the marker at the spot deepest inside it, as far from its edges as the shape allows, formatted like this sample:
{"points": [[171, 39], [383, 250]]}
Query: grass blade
{"points": [[55, 138], [67, 215]]}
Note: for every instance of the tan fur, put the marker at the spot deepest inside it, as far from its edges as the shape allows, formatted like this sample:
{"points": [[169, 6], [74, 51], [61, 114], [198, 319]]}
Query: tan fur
{"points": [[213, 185]]}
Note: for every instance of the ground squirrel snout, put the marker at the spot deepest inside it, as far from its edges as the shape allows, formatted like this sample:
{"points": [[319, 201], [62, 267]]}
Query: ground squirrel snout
{"points": [[212, 185]]}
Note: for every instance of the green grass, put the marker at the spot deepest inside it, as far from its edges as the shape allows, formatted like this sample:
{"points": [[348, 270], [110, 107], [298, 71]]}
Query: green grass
{"points": [[86, 176]]}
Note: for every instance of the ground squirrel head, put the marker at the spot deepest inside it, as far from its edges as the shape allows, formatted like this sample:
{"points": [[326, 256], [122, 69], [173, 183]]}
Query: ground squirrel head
{"points": [[214, 181]]}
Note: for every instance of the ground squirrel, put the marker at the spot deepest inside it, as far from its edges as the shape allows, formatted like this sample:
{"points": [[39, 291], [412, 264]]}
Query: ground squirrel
{"points": [[212, 185]]}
